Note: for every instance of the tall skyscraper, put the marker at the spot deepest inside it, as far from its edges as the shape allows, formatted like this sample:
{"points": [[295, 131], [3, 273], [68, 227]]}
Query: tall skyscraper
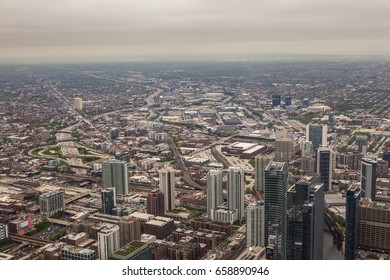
{"points": [[115, 175], [284, 149], [155, 203], [108, 241], [167, 186], [275, 192], [317, 134], [78, 103], [108, 200], [236, 190], [324, 166], [361, 144], [305, 219], [351, 217], [214, 190], [276, 100], [129, 230], [261, 163], [51, 202], [255, 224], [368, 178], [307, 149]]}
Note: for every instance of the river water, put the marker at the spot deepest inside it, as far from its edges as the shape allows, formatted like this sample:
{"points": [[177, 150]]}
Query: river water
{"points": [[331, 252]]}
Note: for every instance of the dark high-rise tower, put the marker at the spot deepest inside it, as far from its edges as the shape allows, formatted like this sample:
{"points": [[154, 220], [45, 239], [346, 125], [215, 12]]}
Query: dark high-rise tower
{"points": [[275, 192], [317, 134], [324, 166], [275, 100], [287, 101], [108, 200], [155, 203], [351, 218], [305, 219]]}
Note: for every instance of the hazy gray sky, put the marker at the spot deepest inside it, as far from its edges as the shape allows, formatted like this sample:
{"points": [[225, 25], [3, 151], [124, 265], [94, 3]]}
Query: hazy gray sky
{"points": [[112, 27]]}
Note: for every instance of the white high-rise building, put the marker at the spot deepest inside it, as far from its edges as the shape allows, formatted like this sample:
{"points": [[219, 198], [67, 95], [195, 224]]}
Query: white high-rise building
{"points": [[115, 175], [214, 190], [167, 186], [236, 190], [224, 215], [368, 177], [108, 240], [261, 163], [78, 103], [255, 224]]}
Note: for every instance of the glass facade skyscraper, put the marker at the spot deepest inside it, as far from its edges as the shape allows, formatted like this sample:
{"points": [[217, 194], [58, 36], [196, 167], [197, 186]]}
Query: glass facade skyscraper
{"points": [[305, 219], [324, 166], [108, 200], [115, 175], [276, 100], [275, 192], [351, 217], [317, 134]]}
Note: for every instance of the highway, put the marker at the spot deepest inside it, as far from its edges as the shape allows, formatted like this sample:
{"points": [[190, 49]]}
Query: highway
{"points": [[29, 239], [186, 175]]}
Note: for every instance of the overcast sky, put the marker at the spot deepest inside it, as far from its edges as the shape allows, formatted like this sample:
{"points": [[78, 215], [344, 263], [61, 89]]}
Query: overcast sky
{"points": [[132, 27]]}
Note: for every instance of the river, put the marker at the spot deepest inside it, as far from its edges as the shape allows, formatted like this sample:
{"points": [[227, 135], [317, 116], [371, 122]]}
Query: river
{"points": [[330, 250]]}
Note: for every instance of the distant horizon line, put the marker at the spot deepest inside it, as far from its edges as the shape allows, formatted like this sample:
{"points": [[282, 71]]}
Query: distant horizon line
{"points": [[181, 57]]}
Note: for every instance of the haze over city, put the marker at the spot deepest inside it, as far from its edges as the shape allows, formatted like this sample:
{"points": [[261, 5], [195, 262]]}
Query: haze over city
{"points": [[84, 28]]}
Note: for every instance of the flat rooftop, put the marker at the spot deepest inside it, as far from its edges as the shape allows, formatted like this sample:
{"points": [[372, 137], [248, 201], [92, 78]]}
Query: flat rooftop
{"points": [[275, 166], [130, 248], [242, 145], [77, 250], [335, 199]]}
